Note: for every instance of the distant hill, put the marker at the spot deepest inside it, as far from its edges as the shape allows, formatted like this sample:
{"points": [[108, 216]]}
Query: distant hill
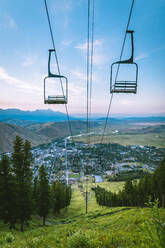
{"points": [[60, 129], [150, 119], [23, 118], [8, 133], [38, 133], [157, 129]]}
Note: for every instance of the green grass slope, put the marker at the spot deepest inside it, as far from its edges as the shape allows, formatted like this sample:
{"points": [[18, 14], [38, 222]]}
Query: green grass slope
{"points": [[102, 227]]}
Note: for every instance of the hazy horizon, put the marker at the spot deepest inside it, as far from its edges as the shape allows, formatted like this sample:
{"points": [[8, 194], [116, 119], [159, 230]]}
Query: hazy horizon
{"points": [[93, 115]]}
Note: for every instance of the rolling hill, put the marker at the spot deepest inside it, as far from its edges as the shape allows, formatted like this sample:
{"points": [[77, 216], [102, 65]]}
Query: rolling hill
{"points": [[37, 133], [8, 133]]}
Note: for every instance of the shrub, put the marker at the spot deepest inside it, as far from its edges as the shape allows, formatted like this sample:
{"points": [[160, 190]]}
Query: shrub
{"points": [[34, 243], [79, 240], [9, 238]]}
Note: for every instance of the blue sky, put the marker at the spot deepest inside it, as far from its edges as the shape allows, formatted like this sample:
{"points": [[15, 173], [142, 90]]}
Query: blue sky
{"points": [[25, 40]]}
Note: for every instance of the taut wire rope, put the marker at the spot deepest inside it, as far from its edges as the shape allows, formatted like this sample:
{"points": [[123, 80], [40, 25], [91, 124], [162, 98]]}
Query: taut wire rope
{"points": [[121, 54], [91, 65], [87, 71], [58, 68]]}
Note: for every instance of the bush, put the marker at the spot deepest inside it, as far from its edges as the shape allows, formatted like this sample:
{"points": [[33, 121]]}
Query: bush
{"points": [[154, 228], [9, 238], [80, 240], [34, 243]]}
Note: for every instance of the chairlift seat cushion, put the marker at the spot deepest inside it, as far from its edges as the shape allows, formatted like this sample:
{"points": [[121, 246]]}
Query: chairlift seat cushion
{"points": [[56, 100]]}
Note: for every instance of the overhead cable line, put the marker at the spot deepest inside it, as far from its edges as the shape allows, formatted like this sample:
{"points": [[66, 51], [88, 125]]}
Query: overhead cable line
{"points": [[129, 19], [89, 79], [87, 103], [91, 63], [87, 71], [58, 68], [121, 54]]}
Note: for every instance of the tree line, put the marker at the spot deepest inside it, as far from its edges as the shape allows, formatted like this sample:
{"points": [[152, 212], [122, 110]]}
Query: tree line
{"points": [[21, 195], [136, 193]]}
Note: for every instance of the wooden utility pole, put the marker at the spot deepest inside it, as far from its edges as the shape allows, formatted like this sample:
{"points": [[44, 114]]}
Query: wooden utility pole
{"points": [[86, 200]]}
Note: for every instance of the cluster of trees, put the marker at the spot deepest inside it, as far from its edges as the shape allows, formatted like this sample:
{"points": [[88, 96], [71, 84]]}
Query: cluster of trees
{"points": [[136, 193], [21, 195], [127, 175]]}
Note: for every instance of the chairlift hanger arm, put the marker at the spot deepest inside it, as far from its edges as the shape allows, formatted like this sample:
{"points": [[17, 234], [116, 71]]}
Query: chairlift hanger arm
{"points": [[131, 59]]}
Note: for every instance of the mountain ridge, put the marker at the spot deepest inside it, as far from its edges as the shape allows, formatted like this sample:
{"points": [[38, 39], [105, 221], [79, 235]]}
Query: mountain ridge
{"points": [[37, 116]]}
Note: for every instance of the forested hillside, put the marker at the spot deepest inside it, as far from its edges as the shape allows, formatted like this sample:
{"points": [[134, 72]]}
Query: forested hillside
{"points": [[38, 133], [9, 132]]}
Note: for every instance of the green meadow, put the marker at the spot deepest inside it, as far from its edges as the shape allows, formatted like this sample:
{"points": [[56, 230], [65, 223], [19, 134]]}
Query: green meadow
{"points": [[149, 139], [101, 227]]}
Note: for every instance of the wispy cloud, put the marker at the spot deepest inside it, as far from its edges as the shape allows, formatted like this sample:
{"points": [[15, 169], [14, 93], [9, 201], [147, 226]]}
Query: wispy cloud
{"points": [[142, 56], [6, 21], [67, 42], [148, 54], [11, 21], [29, 61], [79, 75], [83, 46], [76, 90], [99, 56], [17, 82]]}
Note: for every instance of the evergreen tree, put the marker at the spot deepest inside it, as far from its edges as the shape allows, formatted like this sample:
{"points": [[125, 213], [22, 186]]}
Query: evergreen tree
{"points": [[61, 195], [160, 179], [43, 194], [35, 193], [7, 193], [57, 196], [128, 192], [22, 161]]}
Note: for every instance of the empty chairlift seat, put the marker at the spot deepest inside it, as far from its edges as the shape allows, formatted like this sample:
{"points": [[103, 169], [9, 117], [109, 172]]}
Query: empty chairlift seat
{"points": [[61, 80], [124, 86]]}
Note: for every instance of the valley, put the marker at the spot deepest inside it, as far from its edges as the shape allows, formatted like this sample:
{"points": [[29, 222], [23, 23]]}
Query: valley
{"points": [[131, 150]]}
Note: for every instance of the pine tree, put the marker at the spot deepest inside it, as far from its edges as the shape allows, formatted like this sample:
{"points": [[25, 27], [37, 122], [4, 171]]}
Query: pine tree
{"points": [[61, 196], [7, 193], [160, 181], [22, 161], [35, 193], [128, 192], [43, 194]]}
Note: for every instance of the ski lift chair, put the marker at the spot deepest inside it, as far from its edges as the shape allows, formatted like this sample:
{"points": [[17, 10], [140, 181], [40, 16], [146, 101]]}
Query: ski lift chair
{"points": [[55, 99], [125, 86]]}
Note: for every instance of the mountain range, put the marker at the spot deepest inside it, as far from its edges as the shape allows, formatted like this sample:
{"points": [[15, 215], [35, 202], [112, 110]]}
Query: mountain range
{"points": [[24, 118]]}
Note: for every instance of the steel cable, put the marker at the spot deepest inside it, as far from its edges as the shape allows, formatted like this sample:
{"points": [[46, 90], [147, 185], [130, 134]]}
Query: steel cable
{"points": [[121, 54], [58, 68]]}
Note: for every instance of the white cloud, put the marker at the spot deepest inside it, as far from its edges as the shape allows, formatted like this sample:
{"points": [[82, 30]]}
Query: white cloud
{"points": [[76, 90], [11, 21], [99, 59], [142, 56], [7, 21], [98, 55], [29, 61], [67, 42], [17, 82], [79, 75], [83, 46], [146, 55]]}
